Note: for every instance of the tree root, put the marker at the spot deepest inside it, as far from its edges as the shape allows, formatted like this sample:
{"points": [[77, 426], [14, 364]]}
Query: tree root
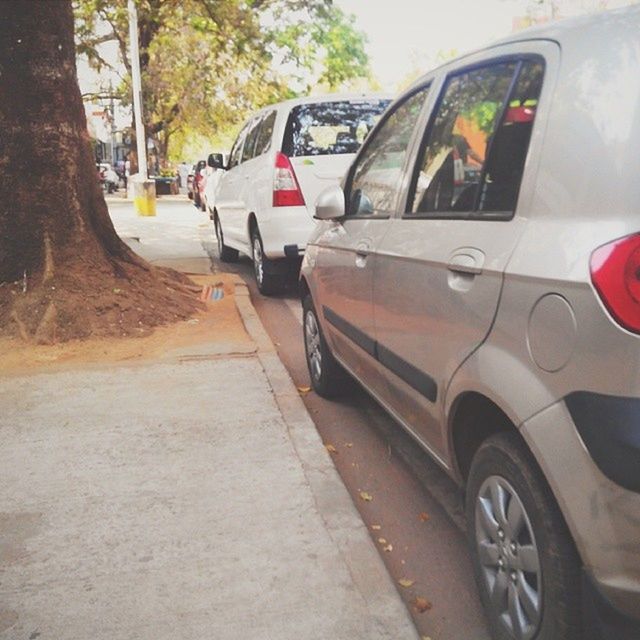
{"points": [[46, 330], [48, 271], [22, 329]]}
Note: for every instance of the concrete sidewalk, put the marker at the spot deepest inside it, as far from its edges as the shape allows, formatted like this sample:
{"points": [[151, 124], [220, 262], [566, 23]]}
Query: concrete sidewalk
{"points": [[184, 498]]}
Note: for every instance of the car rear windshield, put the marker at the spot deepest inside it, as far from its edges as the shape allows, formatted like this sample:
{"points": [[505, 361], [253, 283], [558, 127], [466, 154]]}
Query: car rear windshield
{"points": [[328, 128]]}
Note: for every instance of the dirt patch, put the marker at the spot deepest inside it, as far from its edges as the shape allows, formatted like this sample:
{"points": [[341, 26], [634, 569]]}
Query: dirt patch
{"points": [[218, 322], [87, 299]]}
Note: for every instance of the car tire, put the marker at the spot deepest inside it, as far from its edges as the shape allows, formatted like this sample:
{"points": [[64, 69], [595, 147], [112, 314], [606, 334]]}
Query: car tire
{"points": [[525, 561], [328, 378], [268, 283], [227, 254]]}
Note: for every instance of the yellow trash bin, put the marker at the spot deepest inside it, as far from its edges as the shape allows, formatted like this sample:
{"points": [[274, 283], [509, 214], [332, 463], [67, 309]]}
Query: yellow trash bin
{"points": [[144, 197]]}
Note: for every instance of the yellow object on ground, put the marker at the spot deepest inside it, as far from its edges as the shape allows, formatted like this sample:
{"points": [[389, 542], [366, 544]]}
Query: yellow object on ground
{"points": [[144, 197]]}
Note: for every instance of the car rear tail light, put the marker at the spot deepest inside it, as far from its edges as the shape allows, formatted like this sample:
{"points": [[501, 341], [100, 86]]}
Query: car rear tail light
{"points": [[286, 190], [615, 273]]}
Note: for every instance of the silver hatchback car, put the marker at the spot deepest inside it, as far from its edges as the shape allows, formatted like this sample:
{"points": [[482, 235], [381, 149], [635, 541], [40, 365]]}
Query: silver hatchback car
{"points": [[479, 273]]}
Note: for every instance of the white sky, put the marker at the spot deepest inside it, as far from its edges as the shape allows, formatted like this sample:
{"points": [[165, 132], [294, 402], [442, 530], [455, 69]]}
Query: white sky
{"points": [[405, 35]]}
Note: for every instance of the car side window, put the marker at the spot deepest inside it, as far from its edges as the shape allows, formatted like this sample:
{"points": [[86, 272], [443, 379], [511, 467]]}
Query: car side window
{"points": [[250, 141], [376, 181], [234, 157], [263, 141], [476, 144]]}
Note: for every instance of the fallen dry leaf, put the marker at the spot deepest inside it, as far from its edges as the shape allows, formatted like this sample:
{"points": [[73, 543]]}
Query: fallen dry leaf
{"points": [[424, 516], [421, 604], [330, 448], [388, 548], [406, 583], [382, 541], [367, 497], [376, 527], [304, 390]]}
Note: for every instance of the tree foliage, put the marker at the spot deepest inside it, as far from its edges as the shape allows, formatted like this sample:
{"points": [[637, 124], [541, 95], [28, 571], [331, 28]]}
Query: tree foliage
{"points": [[206, 63]]}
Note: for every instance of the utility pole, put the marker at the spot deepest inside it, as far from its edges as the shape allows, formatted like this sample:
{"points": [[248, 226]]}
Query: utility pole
{"points": [[136, 85], [112, 107], [144, 190]]}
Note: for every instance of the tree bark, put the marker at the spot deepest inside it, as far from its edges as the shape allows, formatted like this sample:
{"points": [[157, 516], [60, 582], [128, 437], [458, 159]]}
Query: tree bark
{"points": [[64, 272]]}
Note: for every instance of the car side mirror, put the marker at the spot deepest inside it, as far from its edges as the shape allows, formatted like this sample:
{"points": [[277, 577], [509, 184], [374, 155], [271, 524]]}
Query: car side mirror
{"points": [[330, 204], [215, 160]]}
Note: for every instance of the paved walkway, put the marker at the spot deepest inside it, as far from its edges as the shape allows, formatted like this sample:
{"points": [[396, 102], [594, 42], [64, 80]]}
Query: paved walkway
{"points": [[184, 498]]}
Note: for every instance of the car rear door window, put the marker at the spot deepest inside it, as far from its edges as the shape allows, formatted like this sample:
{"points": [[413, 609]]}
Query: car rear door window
{"points": [[476, 145], [250, 142], [328, 128], [263, 141], [236, 151], [377, 174]]}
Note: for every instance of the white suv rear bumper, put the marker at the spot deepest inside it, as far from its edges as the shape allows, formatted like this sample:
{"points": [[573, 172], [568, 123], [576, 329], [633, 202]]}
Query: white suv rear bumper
{"points": [[284, 226]]}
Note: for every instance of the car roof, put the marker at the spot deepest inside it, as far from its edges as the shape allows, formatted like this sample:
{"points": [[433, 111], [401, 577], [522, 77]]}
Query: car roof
{"points": [[590, 34]]}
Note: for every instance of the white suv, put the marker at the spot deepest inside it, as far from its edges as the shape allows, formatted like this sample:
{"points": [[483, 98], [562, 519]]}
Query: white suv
{"points": [[284, 156]]}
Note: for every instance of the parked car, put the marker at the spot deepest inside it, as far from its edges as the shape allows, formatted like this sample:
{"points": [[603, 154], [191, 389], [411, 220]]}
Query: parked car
{"points": [[479, 273], [195, 185], [213, 173], [283, 157]]}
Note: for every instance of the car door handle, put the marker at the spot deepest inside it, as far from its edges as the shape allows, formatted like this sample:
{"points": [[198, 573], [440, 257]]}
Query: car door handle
{"points": [[467, 262]]}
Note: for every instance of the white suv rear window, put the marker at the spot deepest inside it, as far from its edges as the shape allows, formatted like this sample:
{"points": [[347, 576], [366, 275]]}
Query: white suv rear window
{"points": [[329, 128]]}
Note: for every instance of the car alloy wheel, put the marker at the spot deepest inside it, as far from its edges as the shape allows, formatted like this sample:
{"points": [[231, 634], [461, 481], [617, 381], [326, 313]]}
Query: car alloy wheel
{"points": [[509, 557], [312, 340], [258, 265]]}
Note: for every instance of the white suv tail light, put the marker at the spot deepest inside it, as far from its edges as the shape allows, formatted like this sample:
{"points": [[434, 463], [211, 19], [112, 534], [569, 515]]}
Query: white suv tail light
{"points": [[286, 190]]}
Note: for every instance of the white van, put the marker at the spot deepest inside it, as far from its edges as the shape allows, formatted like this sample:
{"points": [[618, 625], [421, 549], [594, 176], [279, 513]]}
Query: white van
{"points": [[284, 156]]}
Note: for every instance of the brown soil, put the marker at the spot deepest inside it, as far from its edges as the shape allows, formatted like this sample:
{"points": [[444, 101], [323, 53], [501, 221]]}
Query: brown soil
{"points": [[88, 300], [218, 322]]}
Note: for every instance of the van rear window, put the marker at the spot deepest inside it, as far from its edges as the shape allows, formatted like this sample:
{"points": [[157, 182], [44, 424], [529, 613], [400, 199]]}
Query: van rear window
{"points": [[328, 128]]}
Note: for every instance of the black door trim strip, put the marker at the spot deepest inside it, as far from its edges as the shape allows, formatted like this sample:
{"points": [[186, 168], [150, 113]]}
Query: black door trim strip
{"points": [[416, 379], [359, 337]]}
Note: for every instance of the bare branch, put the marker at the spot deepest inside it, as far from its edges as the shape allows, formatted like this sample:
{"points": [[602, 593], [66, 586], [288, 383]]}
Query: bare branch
{"points": [[122, 45]]}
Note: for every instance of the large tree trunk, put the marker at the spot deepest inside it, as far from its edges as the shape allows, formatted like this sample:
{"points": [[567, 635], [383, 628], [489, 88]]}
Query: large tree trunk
{"points": [[64, 272]]}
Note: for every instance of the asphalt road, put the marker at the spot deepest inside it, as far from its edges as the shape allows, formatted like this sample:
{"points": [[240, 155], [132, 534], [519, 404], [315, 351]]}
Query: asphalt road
{"points": [[415, 514]]}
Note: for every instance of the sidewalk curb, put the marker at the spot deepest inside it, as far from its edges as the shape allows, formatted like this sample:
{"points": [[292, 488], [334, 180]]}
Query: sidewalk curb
{"points": [[334, 504]]}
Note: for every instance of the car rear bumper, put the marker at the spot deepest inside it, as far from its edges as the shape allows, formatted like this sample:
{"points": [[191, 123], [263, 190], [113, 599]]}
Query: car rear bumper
{"points": [[603, 517], [282, 227]]}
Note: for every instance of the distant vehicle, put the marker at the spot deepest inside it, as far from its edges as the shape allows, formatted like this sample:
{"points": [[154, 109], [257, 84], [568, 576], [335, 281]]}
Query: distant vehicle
{"points": [[190, 177], [108, 177], [281, 160], [213, 173], [478, 272], [195, 184]]}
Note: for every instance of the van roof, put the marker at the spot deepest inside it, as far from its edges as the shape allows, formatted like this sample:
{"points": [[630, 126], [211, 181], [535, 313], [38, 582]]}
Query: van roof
{"points": [[327, 97]]}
